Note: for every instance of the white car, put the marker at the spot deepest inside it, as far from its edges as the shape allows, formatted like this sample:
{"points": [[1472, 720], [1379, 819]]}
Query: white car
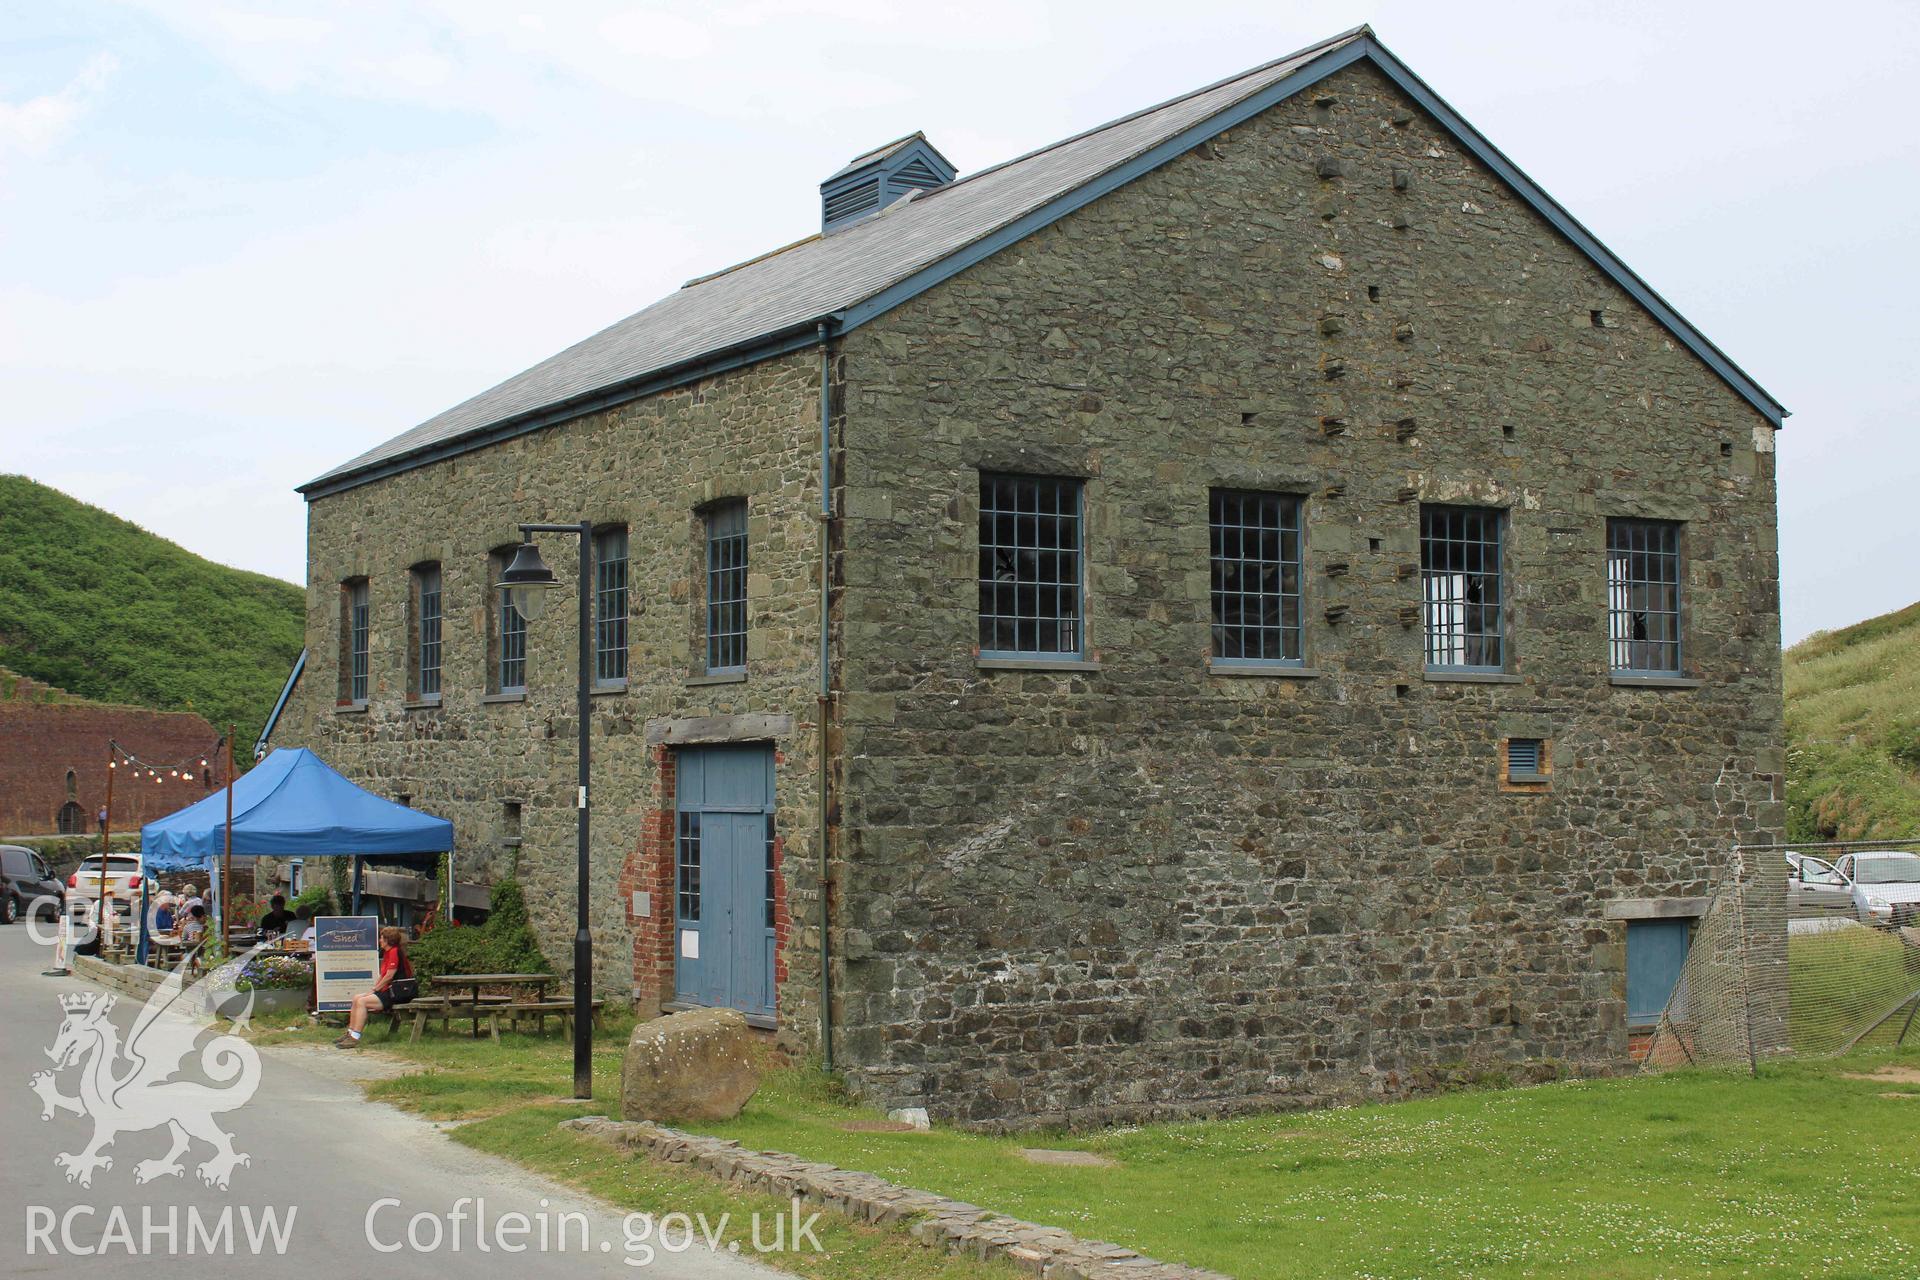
{"points": [[123, 882], [1878, 887]]}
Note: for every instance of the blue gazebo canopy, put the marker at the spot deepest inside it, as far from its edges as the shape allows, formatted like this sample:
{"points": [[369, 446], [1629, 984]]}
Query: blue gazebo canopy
{"points": [[292, 804]]}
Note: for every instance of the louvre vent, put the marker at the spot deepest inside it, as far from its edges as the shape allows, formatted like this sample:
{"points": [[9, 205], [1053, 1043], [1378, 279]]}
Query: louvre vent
{"points": [[875, 180], [1524, 759]]}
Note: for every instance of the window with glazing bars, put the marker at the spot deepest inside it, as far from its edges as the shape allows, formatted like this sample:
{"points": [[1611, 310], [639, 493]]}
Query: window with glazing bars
{"points": [[1030, 552], [689, 867], [1256, 577], [610, 606], [513, 646], [427, 623], [727, 587], [1643, 597], [1462, 588], [358, 624]]}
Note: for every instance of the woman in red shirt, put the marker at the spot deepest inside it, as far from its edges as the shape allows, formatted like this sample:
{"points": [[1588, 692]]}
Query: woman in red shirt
{"points": [[396, 985]]}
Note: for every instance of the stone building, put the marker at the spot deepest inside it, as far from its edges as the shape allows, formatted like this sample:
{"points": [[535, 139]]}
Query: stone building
{"points": [[54, 750], [1301, 611]]}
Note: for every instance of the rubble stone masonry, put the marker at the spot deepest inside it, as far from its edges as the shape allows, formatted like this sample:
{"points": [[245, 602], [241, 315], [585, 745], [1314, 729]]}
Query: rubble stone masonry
{"points": [[1139, 886]]}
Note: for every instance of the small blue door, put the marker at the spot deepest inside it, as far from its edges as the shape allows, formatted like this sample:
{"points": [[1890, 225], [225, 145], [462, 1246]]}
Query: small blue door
{"points": [[723, 907], [1656, 953]]}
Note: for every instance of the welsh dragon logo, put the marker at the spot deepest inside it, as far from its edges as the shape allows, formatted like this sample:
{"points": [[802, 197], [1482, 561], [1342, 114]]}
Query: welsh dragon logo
{"points": [[131, 1087]]}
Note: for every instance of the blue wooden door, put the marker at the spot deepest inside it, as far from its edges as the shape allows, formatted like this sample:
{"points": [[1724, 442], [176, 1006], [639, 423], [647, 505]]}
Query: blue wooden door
{"points": [[1656, 953], [723, 934]]}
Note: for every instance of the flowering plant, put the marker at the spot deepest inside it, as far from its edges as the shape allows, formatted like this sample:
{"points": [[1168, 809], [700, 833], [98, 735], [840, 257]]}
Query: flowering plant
{"points": [[262, 973]]}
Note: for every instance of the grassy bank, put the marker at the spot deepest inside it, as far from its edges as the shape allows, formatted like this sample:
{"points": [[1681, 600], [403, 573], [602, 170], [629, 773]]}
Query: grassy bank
{"points": [[1803, 1172], [1853, 731]]}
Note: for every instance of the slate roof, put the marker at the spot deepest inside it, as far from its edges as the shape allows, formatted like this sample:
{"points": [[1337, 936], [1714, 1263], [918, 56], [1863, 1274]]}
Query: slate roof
{"points": [[775, 302]]}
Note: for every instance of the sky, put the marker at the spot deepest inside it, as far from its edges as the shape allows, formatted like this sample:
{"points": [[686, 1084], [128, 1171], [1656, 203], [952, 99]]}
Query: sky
{"points": [[239, 245]]}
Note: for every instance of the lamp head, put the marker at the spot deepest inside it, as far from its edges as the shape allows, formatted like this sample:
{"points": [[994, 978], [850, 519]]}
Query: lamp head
{"points": [[526, 581]]}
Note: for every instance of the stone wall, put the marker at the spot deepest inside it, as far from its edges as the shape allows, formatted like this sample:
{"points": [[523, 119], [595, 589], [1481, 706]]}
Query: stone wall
{"points": [[1139, 888], [649, 465]]}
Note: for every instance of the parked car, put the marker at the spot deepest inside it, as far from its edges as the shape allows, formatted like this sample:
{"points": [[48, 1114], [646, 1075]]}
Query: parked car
{"points": [[1877, 887], [27, 884], [123, 883]]}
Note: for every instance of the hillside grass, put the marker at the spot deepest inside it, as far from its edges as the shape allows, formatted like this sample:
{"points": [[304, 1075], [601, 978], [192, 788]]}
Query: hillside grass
{"points": [[112, 613], [1853, 731]]}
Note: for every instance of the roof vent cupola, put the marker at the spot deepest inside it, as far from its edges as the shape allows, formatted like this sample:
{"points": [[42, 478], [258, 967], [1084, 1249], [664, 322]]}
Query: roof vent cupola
{"points": [[871, 182]]}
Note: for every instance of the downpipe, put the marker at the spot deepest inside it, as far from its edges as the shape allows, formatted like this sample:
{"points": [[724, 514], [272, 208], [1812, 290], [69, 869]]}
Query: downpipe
{"points": [[825, 703]]}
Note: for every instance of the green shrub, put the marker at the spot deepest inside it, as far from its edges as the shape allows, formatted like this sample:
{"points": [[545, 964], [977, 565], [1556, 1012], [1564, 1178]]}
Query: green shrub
{"points": [[314, 900], [504, 944]]}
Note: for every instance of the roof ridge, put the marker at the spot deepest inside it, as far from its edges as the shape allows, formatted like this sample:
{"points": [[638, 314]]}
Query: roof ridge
{"points": [[1352, 33], [1363, 30]]}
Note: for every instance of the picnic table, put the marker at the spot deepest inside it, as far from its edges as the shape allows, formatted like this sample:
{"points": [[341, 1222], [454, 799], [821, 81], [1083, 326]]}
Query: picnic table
{"points": [[491, 1007], [474, 981]]}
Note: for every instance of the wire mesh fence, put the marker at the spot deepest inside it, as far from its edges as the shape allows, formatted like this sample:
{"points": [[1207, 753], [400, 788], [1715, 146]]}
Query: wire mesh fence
{"points": [[1808, 951]]}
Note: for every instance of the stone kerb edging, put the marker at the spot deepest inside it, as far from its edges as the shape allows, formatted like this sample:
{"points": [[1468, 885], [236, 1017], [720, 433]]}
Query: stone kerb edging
{"points": [[129, 980], [937, 1222]]}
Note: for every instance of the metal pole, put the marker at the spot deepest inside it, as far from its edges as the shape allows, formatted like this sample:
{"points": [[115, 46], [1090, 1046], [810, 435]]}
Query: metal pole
{"points": [[226, 859], [106, 842], [583, 938]]}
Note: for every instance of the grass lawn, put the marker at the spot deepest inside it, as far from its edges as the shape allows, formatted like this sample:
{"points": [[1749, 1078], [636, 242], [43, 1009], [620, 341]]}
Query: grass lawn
{"points": [[1840, 981], [515, 1095], [1803, 1172]]}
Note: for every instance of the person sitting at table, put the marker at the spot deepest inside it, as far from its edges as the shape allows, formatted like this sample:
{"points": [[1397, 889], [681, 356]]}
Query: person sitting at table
{"points": [[163, 915], [193, 930], [190, 898], [275, 922], [395, 986]]}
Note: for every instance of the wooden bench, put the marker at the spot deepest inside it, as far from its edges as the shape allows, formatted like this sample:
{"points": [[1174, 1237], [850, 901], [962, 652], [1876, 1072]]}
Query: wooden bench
{"points": [[490, 1009]]}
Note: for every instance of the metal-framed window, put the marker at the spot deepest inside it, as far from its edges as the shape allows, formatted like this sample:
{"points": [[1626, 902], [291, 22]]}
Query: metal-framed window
{"points": [[1643, 597], [688, 862], [1463, 587], [509, 633], [1030, 566], [771, 922], [359, 625], [727, 586], [610, 606], [428, 621], [1256, 552]]}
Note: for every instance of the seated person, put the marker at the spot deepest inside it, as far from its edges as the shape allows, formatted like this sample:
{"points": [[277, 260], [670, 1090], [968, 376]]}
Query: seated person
{"points": [[193, 930], [396, 985], [275, 922], [163, 916]]}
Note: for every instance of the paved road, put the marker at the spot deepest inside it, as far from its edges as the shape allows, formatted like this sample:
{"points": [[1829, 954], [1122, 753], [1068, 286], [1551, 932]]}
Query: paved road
{"points": [[321, 1157]]}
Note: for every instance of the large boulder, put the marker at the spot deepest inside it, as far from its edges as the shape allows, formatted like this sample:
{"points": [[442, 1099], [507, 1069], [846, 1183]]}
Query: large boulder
{"points": [[699, 1065]]}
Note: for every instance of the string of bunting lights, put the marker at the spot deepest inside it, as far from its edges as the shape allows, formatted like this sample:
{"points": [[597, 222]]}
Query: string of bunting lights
{"points": [[192, 770]]}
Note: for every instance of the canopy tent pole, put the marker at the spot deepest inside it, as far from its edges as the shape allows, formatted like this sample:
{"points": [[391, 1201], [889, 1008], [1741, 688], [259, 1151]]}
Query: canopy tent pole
{"points": [[146, 887], [226, 860], [358, 865]]}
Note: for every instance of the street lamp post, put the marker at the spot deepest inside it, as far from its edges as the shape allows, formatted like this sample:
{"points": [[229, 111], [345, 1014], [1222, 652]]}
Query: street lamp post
{"points": [[526, 581]]}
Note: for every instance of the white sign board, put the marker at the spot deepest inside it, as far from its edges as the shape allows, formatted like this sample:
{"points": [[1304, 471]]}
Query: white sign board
{"points": [[346, 960]]}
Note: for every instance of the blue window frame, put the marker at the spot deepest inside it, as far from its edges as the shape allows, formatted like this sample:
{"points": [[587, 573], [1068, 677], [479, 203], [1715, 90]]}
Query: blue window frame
{"points": [[727, 586], [610, 606], [428, 621], [689, 867], [1463, 587], [1643, 597], [1256, 553], [1030, 567], [1656, 957], [359, 627]]}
